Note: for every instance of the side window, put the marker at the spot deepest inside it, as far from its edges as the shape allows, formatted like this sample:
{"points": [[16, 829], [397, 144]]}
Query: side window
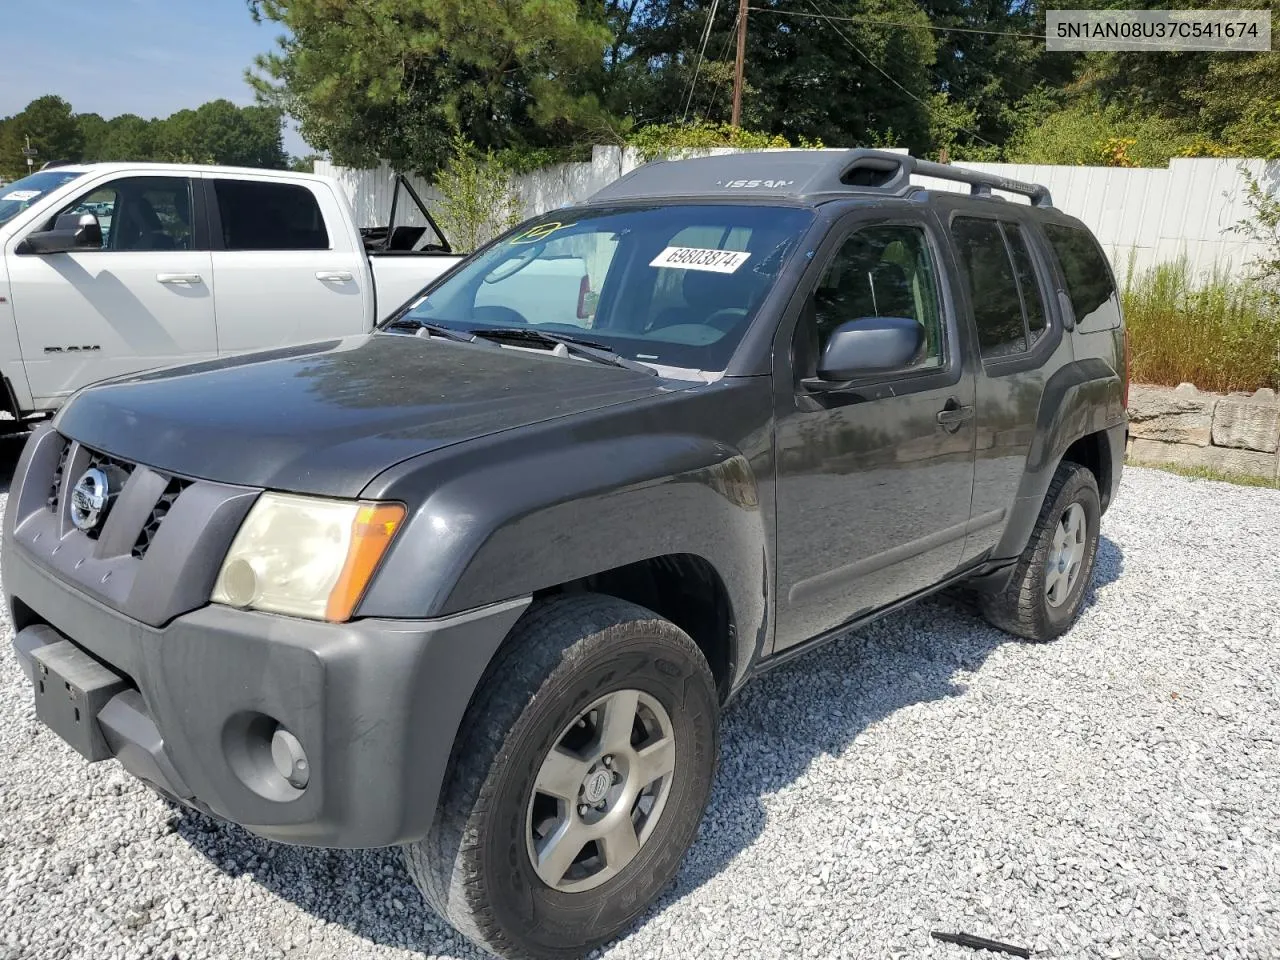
{"points": [[879, 271], [1009, 306], [102, 204], [141, 213], [1089, 284], [260, 215], [1032, 293]]}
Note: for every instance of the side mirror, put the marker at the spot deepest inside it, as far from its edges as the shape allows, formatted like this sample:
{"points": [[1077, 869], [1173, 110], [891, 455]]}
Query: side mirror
{"points": [[870, 346], [71, 231]]}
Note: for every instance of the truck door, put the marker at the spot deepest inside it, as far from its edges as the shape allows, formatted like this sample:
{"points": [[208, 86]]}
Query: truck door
{"points": [[145, 299], [874, 478], [288, 266], [1004, 279]]}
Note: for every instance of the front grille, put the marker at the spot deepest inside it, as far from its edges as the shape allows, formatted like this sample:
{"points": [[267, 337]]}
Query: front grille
{"points": [[118, 471], [55, 483], [78, 458], [158, 513]]}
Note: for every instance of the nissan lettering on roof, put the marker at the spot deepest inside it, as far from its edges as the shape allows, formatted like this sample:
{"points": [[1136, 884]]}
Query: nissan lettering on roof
{"points": [[753, 184]]}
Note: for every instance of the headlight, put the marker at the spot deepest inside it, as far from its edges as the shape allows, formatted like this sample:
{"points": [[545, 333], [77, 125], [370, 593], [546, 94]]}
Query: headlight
{"points": [[305, 556]]}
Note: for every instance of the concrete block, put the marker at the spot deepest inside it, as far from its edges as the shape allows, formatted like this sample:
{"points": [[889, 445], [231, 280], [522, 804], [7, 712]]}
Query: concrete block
{"points": [[1183, 415], [1246, 424], [1222, 459]]}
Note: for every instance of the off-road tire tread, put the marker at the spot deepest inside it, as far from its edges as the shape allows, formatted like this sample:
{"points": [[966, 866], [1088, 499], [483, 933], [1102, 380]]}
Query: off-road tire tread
{"points": [[445, 864], [1019, 608]]}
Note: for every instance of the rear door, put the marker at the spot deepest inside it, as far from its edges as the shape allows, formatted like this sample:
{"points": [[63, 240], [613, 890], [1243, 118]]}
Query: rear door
{"points": [[287, 266], [874, 479], [145, 299], [1005, 279]]}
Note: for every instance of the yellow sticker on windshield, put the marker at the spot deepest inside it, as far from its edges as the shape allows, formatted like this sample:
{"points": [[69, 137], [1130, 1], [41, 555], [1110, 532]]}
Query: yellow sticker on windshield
{"points": [[540, 232]]}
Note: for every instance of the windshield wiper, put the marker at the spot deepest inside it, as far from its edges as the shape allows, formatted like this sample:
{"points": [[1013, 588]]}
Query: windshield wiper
{"points": [[435, 329], [586, 349]]}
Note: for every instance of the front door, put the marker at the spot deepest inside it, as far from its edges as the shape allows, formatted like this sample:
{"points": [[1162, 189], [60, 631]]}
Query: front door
{"points": [[874, 478], [144, 300]]}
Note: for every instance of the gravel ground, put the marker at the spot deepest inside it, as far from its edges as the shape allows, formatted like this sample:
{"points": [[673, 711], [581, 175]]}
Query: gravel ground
{"points": [[1113, 794]]}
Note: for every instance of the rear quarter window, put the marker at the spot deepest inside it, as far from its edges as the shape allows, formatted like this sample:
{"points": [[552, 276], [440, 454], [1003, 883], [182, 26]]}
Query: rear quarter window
{"points": [[1090, 287], [260, 215]]}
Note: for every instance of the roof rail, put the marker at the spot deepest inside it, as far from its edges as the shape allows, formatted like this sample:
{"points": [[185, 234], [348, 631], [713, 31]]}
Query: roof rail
{"points": [[980, 184], [893, 171], [809, 175]]}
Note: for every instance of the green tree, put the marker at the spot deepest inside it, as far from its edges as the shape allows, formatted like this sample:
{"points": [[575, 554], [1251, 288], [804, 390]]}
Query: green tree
{"points": [[94, 130], [220, 132], [1223, 103], [811, 71], [390, 79], [478, 200], [128, 137], [52, 129]]}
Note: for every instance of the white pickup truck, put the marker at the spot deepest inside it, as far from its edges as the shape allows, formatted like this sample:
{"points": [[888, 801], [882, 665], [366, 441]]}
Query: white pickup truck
{"points": [[111, 268]]}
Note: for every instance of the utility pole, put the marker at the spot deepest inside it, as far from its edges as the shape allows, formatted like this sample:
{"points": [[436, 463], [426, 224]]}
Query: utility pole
{"points": [[30, 153], [738, 63]]}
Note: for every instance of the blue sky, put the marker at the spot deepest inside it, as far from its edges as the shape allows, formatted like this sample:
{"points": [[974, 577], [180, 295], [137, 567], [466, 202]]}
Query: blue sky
{"points": [[149, 57]]}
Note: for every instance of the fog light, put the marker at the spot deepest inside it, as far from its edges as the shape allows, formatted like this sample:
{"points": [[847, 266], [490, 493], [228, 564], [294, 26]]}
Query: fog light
{"points": [[289, 758]]}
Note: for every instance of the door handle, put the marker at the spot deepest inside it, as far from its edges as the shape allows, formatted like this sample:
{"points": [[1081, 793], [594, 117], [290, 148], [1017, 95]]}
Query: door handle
{"points": [[179, 277], [954, 413], [333, 276]]}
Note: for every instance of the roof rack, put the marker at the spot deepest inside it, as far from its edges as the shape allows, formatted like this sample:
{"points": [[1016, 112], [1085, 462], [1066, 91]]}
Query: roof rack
{"points": [[980, 184], [812, 175]]}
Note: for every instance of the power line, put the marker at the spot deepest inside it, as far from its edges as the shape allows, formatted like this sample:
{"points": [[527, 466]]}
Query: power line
{"points": [[891, 79], [724, 52], [702, 52], [896, 23]]}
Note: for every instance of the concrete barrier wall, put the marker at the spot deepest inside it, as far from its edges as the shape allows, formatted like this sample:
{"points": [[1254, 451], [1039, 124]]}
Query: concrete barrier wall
{"points": [[1185, 427]]}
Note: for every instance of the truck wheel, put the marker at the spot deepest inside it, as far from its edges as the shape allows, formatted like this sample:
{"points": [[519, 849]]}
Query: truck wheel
{"points": [[1045, 592], [577, 781]]}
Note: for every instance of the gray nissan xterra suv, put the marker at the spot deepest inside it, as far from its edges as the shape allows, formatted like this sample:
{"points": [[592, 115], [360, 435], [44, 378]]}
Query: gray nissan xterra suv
{"points": [[480, 584]]}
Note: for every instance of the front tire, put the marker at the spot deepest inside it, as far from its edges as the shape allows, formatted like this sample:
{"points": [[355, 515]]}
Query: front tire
{"points": [[1046, 590], [577, 783]]}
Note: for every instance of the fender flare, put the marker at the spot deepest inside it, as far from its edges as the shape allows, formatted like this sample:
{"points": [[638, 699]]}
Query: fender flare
{"points": [[1081, 398], [545, 517]]}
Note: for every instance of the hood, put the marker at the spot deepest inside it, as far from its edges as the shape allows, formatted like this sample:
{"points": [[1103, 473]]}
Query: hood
{"points": [[326, 418]]}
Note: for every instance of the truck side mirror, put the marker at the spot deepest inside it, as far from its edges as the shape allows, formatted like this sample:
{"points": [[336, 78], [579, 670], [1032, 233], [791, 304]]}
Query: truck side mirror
{"points": [[70, 232], [870, 346]]}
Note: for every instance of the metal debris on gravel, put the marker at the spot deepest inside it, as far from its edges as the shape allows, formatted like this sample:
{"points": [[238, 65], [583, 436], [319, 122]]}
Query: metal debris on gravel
{"points": [[1113, 794]]}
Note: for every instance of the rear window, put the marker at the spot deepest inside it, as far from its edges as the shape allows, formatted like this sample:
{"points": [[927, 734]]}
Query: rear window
{"points": [[1089, 285], [257, 215]]}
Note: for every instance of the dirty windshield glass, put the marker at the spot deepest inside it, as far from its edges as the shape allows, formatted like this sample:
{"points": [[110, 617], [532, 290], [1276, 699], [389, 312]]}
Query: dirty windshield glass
{"points": [[17, 196], [675, 285]]}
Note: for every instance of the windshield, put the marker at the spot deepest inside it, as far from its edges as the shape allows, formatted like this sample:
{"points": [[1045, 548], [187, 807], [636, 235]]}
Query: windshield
{"points": [[17, 196], [672, 285]]}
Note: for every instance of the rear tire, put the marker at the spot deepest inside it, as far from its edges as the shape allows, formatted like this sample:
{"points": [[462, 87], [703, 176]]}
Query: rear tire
{"points": [[1046, 590], [538, 761]]}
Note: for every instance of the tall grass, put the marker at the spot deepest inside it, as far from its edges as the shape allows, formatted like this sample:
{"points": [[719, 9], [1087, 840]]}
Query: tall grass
{"points": [[1220, 334]]}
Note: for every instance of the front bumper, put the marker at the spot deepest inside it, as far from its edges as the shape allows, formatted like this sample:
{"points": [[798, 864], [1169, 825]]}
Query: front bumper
{"points": [[376, 704]]}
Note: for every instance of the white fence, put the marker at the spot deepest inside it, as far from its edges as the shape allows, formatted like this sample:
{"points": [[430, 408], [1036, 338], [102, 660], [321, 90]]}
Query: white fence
{"points": [[1149, 215]]}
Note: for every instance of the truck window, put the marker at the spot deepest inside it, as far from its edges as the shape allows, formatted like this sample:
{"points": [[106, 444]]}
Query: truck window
{"points": [[880, 271], [992, 285], [1028, 282], [1089, 284], [259, 215], [141, 214]]}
